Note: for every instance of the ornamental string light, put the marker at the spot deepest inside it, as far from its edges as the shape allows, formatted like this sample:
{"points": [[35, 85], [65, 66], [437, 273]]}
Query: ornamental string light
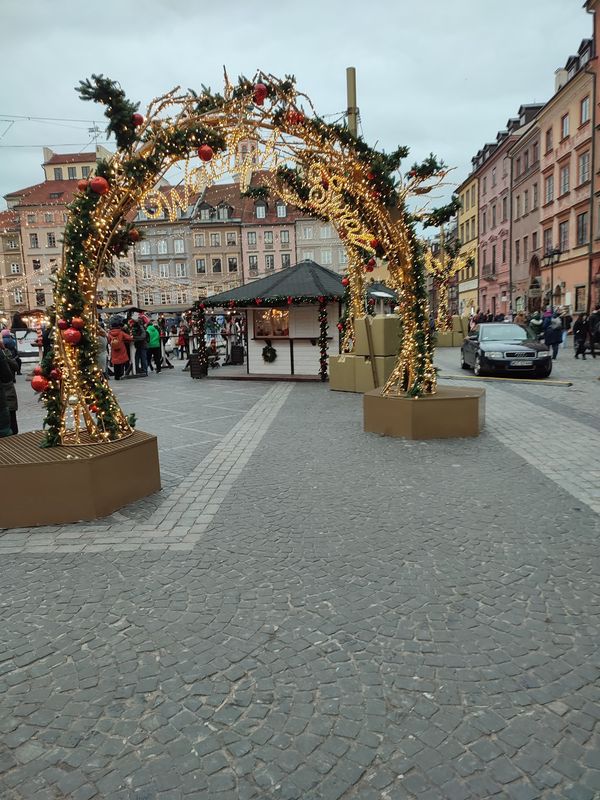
{"points": [[443, 268], [319, 167]]}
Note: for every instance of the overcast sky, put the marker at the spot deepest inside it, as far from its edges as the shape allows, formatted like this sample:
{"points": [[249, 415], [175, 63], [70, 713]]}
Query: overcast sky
{"points": [[437, 75]]}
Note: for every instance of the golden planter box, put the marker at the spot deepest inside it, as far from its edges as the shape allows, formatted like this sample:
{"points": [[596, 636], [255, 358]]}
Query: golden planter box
{"points": [[342, 376], [364, 372], [385, 332], [444, 339]]}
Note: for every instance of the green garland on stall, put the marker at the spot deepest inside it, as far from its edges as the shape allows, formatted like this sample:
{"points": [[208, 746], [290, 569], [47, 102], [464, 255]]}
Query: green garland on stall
{"points": [[323, 328]]}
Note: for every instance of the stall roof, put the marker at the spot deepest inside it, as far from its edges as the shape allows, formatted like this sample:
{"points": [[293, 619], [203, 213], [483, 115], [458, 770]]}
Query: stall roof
{"points": [[307, 279], [378, 289]]}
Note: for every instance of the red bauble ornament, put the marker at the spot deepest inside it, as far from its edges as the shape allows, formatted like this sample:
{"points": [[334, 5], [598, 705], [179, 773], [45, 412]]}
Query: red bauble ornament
{"points": [[99, 185], [340, 326], [94, 409], [202, 306], [371, 301], [39, 383], [205, 152], [55, 374], [258, 301], [72, 336], [62, 324], [371, 176], [371, 262], [134, 235], [83, 185], [345, 281], [375, 243], [321, 299], [137, 120], [78, 323], [295, 117], [39, 342], [260, 93], [37, 370], [369, 269], [290, 300]]}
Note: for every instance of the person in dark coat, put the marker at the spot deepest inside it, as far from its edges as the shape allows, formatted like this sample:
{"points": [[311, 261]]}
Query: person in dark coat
{"points": [[594, 321], [8, 393], [553, 334], [581, 329]]}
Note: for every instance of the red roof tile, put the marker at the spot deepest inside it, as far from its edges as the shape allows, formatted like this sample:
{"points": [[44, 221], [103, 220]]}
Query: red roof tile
{"points": [[71, 158], [41, 193], [9, 221]]}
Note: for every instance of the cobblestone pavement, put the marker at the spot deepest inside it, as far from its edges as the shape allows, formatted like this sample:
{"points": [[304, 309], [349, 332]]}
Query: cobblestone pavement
{"points": [[358, 617]]}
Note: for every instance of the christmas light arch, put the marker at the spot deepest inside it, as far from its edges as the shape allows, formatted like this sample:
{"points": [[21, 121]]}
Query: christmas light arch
{"points": [[317, 166]]}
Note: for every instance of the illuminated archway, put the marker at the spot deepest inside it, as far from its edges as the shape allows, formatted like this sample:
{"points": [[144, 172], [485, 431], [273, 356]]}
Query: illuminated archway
{"points": [[318, 167]]}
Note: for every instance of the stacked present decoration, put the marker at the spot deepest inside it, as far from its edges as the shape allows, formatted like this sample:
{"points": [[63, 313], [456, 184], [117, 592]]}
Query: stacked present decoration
{"points": [[376, 346]]}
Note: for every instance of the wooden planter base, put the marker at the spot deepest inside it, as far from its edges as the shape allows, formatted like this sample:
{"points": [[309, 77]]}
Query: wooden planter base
{"points": [[452, 412], [51, 486]]}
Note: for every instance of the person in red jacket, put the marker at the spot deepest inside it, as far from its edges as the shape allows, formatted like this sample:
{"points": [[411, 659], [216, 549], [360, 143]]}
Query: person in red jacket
{"points": [[119, 352]]}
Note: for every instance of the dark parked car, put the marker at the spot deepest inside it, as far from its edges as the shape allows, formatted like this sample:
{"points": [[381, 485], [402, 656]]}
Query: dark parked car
{"points": [[504, 347]]}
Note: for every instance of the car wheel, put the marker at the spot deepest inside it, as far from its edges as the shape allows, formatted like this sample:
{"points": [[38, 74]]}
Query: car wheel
{"points": [[463, 363], [477, 369], [545, 372]]}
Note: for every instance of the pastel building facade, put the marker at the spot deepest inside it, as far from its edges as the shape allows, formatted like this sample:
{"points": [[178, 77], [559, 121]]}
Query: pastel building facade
{"points": [[467, 230]]}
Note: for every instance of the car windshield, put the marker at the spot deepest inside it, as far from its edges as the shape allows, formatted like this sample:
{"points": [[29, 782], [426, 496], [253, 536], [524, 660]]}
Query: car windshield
{"points": [[503, 333]]}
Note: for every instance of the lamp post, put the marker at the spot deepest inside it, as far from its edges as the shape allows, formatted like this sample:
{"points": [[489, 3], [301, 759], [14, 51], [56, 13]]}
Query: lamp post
{"points": [[551, 258]]}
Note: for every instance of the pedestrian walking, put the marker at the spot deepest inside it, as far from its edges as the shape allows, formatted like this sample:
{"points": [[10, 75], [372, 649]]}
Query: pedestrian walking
{"points": [[10, 343], [8, 393], [553, 334], [594, 322], [154, 348], [140, 343], [581, 330], [567, 321], [535, 326], [119, 354]]}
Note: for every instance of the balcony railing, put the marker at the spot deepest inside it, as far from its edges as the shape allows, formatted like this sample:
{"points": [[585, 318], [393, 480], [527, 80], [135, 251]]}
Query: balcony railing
{"points": [[488, 272]]}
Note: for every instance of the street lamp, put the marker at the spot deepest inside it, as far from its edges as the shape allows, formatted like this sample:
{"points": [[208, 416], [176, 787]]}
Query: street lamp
{"points": [[551, 258]]}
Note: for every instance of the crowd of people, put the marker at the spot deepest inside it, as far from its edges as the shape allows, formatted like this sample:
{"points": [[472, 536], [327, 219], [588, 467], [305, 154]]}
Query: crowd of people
{"points": [[553, 327]]}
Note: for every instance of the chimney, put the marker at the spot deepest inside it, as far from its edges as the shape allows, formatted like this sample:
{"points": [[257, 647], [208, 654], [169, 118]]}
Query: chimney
{"points": [[560, 78]]}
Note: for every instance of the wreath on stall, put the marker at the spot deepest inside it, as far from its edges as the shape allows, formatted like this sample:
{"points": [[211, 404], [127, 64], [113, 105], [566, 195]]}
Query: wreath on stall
{"points": [[269, 353]]}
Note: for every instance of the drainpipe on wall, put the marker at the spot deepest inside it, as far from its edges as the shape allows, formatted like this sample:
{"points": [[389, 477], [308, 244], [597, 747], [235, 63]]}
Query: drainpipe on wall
{"points": [[510, 235], [592, 187]]}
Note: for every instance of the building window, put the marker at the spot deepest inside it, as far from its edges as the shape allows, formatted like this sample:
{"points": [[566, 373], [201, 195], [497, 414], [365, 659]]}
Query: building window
{"points": [[484, 222], [252, 239], [564, 126], [518, 167], [536, 152], [200, 266], [462, 232], [564, 179], [165, 298], [518, 207], [51, 237], [285, 260], [281, 210], [48, 217], [484, 191], [343, 257], [18, 295], [261, 211], [326, 258], [325, 232], [284, 237], [232, 264], [525, 247], [504, 211], [547, 240], [585, 110], [112, 298], [308, 255], [126, 297], [494, 258], [223, 213], [517, 251], [534, 238], [268, 238], [205, 213], [164, 271], [100, 296], [40, 297], [270, 323], [494, 216], [217, 265], [15, 269], [584, 167], [307, 232], [215, 240], [162, 247], [253, 263], [178, 246], [473, 196], [146, 271], [37, 264], [494, 176], [549, 140], [33, 241], [144, 248], [198, 240], [465, 200], [580, 299], [124, 270], [58, 174], [148, 299], [231, 239], [525, 160], [109, 271], [563, 236], [269, 262], [72, 173], [11, 244], [504, 251], [31, 219], [582, 228], [550, 188], [85, 171], [535, 196], [180, 270], [181, 297]]}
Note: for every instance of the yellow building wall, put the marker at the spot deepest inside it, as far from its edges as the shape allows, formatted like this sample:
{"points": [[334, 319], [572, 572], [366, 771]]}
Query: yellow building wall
{"points": [[468, 232]]}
